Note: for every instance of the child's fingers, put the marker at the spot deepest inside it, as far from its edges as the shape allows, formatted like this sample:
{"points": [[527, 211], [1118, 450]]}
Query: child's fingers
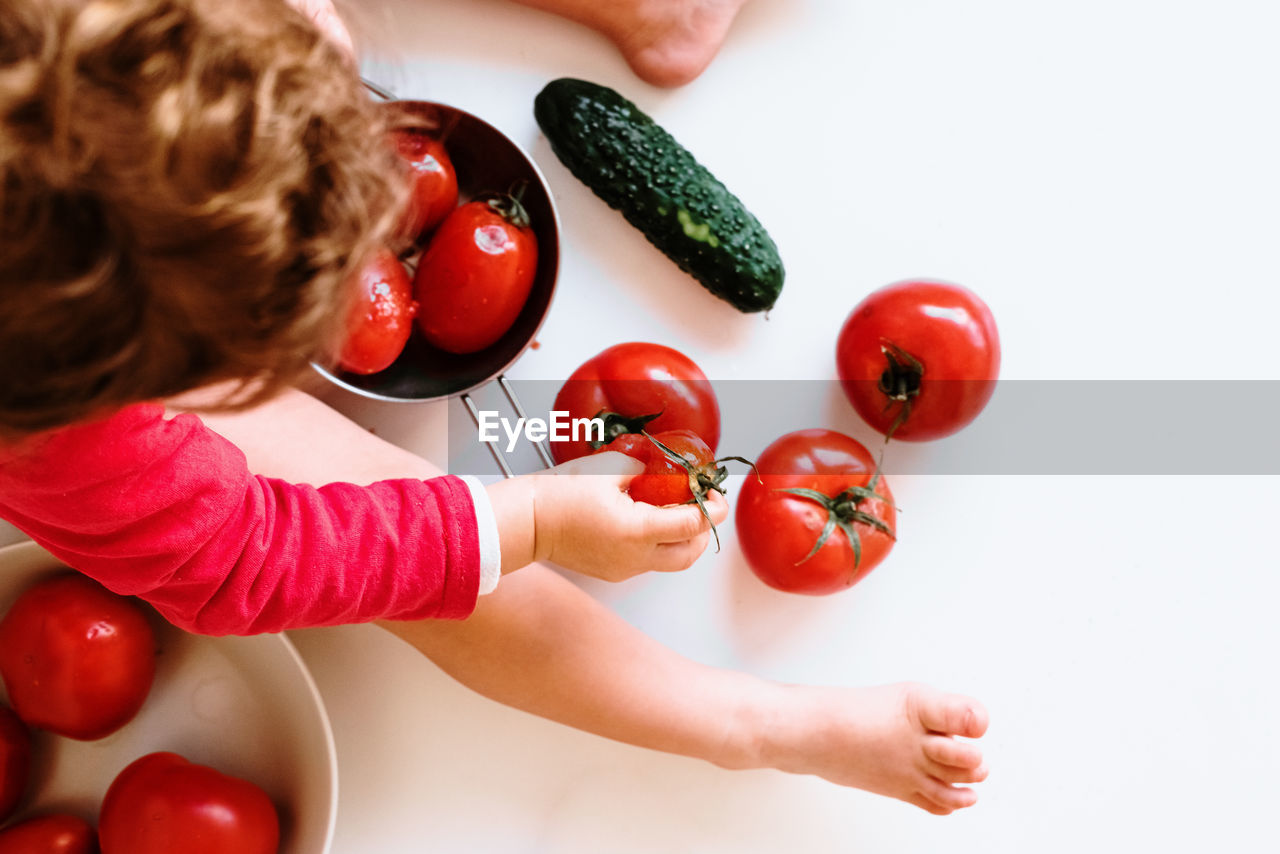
{"points": [[675, 557], [671, 525], [618, 468], [681, 522], [717, 507]]}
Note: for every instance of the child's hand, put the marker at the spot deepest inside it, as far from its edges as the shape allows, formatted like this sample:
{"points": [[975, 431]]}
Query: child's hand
{"points": [[582, 519]]}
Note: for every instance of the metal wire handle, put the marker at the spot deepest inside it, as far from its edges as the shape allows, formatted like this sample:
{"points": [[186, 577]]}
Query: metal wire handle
{"points": [[498, 458], [384, 94], [472, 410]]}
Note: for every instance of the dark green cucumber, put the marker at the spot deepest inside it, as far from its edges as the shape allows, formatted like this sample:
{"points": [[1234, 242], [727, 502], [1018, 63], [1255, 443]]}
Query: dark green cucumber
{"points": [[635, 166]]}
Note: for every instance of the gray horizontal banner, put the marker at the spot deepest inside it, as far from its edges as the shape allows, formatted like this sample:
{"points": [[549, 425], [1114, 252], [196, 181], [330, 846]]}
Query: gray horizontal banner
{"points": [[1219, 427]]}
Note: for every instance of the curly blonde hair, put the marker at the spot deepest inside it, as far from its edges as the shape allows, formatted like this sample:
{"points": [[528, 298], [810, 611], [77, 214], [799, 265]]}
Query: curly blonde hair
{"points": [[185, 188]]}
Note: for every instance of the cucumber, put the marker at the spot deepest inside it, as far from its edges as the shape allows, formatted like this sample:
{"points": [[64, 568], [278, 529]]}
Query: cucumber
{"points": [[635, 166]]}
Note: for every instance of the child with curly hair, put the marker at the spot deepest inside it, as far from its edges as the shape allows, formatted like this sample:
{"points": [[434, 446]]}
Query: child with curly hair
{"points": [[186, 188]]}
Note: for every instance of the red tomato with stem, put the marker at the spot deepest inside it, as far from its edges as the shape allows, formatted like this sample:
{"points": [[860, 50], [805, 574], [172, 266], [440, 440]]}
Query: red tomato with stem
{"points": [[672, 474], [679, 468], [380, 319], [818, 517], [919, 359], [162, 803], [433, 188], [56, 833], [476, 274], [628, 383], [15, 760], [76, 659]]}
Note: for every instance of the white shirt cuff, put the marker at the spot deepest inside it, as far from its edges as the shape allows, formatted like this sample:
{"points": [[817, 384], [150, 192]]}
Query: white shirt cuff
{"points": [[487, 526]]}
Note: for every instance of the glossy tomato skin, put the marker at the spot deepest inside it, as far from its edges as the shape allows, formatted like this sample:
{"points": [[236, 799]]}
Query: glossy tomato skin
{"points": [[663, 481], [162, 803], [474, 278], [76, 659], [56, 833], [433, 185], [948, 329], [635, 379], [380, 318], [776, 530], [15, 761]]}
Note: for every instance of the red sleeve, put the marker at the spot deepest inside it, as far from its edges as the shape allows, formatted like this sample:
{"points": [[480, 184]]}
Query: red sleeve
{"points": [[167, 510]]}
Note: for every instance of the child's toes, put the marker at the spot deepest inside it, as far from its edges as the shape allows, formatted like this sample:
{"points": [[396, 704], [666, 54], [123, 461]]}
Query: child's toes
{"points": [[953, 713], [952, 774], [948, 797], [945, 750], [927, 805]]}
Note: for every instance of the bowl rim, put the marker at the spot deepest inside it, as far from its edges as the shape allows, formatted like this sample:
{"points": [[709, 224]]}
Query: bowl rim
{"points": [[337, 379], [28, 555]]}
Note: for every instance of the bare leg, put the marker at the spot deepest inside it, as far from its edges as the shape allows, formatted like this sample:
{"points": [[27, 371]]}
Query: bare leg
{"points": [[666, 42], [542, 645]]}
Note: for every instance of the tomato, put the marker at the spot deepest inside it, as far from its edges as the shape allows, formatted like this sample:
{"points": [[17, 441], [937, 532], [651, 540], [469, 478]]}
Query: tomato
{"points": [[380, 319], [433, 189], [15, 760], [919, 359], [829, 536], [162, 803], [56, 833], [77, 659], [628, 382], [476, 274], [665, 479]]}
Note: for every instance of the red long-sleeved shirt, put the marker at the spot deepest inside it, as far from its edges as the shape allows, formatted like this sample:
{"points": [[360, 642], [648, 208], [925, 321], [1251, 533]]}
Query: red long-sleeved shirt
{"points": [[167, 510]]}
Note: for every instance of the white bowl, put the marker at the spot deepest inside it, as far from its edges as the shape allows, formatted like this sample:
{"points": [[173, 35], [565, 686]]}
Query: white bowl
{"points": [[246, 706]]}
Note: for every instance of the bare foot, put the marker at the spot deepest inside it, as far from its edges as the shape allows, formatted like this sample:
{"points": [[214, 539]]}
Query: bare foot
{"points": [[666, 42], [895, 740], [670, 42]]}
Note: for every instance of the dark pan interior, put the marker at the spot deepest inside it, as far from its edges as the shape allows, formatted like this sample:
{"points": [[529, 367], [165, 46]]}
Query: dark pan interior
{"points": [[485, 161]]}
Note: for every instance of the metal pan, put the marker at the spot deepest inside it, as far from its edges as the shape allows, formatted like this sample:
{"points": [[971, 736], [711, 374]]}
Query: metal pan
{"points": [[486, 160]]}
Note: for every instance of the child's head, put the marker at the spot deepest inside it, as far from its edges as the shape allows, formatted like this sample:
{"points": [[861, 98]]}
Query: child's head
{"points": [[185, 188]]}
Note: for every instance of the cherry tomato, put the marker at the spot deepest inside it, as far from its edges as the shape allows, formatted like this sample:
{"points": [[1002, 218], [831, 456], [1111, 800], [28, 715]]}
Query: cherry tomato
{"points": [[919, 359], [162, 804], [476, 274], [665, 480], [380, 319], [833, 532], [56, 833], [628, 382], [77, 659], [434, 183], [15, 760]]}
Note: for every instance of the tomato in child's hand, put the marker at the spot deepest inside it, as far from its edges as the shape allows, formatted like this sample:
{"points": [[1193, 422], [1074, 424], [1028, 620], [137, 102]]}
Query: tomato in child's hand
{"points": [[476, 274], [56, 833], [785, 536], [380, 319], [433, 185], [665, 480], [76, 659], [163, 803], [15, 760], [627, 383], [919, 359]]}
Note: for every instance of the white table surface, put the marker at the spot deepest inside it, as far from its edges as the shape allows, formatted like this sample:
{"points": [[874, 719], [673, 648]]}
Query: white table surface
{"points": [[1105, 175]]}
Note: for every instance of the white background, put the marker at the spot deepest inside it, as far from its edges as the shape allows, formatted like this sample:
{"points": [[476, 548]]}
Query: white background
{"points": [[1105, 175]]}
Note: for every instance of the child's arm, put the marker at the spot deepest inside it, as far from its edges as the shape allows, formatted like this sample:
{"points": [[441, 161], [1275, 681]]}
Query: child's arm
{"points": [[540, 644]]}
